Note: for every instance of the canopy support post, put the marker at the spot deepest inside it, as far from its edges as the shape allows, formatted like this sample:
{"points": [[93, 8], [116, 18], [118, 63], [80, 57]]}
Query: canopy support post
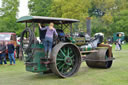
{"points": [[26, 24], [61, 26], [71, 29]]}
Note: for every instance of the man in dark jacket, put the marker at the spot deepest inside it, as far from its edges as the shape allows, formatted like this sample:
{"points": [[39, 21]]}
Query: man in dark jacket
{"points": [[2, 53], [11, 49], [42, 33]]}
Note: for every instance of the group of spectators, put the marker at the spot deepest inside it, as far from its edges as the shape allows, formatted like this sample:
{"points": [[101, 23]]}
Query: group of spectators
{"points": [[7, 48]]}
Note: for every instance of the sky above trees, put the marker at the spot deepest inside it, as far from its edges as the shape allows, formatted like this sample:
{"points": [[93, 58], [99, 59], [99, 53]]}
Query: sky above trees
{"points": [[23, 8]]}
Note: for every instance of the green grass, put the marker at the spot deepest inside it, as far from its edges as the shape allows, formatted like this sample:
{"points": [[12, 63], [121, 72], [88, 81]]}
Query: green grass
{"points": [[117, 75]]}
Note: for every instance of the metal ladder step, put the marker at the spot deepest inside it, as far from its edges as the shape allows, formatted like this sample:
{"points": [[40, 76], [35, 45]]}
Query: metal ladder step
{"points": [[45, 58], [30, 63]]}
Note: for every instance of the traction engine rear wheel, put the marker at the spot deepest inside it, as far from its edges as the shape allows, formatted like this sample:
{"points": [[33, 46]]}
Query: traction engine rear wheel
{"points": [[66, 58]]}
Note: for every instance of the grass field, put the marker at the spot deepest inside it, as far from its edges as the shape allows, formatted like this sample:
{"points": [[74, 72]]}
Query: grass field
{"points": [[117, 75]]}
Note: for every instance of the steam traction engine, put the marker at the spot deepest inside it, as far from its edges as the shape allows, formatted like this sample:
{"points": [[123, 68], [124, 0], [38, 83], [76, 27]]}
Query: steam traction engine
{"points": [[68, 52]]}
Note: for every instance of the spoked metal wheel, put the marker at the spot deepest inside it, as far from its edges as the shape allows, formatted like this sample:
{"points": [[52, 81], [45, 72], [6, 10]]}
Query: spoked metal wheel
{"points": [[66, 60], [26, 39]]}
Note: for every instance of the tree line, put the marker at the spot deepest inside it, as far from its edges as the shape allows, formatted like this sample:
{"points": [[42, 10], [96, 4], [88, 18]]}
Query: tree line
{"points": [[107, 16]]}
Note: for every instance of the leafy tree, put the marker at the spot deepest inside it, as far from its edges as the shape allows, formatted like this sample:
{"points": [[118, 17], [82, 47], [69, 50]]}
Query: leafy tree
{"points": [[120, 23], [40, 7], [77, 9], [101, 7], [102, 12], [8, 16], [108, 16], [121, 4]]}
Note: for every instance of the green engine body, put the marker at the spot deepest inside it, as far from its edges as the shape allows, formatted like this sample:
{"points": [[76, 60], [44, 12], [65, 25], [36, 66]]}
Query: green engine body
{"points": [[34, 61]]}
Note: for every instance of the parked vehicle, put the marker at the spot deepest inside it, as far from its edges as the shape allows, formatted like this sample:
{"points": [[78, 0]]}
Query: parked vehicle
{"points": [[118, 35]]}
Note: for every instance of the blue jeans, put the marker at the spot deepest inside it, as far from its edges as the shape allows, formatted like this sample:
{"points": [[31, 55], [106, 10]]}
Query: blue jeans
{"points": [[43, 41], [11, 58], [48, 45], [2, 56]]}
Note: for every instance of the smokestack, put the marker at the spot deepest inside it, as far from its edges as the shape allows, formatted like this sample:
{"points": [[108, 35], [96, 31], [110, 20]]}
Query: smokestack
{"points": [[88, 24]]}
